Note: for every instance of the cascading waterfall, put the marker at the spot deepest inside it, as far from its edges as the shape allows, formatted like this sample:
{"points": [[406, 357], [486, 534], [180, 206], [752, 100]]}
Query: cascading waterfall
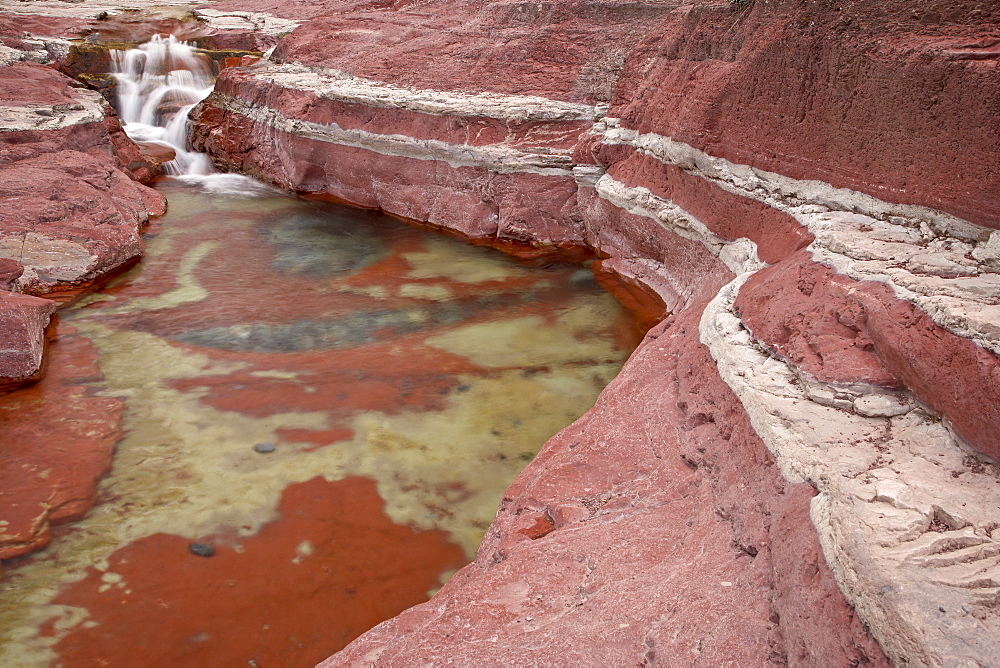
{"points": [[158, 84]]}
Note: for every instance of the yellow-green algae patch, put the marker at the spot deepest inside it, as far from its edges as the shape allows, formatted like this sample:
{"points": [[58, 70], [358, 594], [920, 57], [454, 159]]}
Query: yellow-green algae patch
{"points": [[525, 342], [188, 288], [423, 291], [442, 258], [447, 470]]}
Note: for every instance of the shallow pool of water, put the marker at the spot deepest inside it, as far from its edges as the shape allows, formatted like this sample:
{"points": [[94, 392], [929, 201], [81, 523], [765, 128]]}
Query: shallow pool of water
{"points": [[328, 401]]}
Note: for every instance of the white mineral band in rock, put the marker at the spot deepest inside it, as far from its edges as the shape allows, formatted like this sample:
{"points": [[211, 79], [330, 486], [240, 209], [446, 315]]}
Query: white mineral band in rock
{"points": [[498, 158], [336, 85]]}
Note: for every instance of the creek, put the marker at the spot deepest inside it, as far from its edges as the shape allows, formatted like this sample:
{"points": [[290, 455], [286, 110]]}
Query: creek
{"points": [[322, 407]]}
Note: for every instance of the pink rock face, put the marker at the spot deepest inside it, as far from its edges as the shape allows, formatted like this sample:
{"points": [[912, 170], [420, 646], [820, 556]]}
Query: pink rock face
{"points": [[72, 210], [730, 216], [10, 271], [563, 50], [29, 83], [77, 217], [54, 26], [22, 335], [475, 201], [953, 375], [66, 173], [639, 247], [839, 330], [809, 314], [472, 130]]}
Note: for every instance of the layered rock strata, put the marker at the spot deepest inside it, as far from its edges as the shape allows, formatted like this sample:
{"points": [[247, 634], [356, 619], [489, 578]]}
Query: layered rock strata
{"points": [[809, 193], [817, 219], [69, 177]]}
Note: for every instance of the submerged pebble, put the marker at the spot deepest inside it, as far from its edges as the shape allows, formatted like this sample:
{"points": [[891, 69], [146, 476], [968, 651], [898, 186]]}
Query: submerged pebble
{"points": [[264, 448], [201, 549]]}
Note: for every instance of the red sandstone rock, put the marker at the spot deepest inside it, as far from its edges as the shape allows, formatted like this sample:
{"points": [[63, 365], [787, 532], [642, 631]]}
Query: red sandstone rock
{"points": [[474, 201], [841, 331], [639, 247], [76, 217], [669, 530], [898, 105], [10, 271], [776, 233], [952, 375], [564, 50], [71, 213], [808, 313], [22, 335], [57, 441]]}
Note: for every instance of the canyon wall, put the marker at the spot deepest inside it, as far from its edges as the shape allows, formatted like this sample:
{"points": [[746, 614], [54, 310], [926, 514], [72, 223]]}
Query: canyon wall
{"points": [[797, 465]]}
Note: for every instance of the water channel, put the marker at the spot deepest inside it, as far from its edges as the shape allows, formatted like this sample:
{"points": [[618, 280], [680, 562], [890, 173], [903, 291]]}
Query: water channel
{"points": [[322, 409]]}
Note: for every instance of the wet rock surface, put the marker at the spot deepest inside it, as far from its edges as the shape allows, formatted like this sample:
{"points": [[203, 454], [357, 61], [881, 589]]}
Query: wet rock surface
{"points": [[58, 438], [23, 320]]}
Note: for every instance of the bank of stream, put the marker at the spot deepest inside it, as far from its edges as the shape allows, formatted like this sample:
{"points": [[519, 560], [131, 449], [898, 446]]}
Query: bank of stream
{"points": [[322, 409]]}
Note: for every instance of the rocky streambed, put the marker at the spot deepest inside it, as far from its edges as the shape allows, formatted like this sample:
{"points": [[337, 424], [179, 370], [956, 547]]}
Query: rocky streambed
{"points": [[797, 465]]}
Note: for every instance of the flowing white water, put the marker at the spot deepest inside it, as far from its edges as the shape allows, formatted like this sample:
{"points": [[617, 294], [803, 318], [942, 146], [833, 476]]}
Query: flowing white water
{"points": [[158, 84]]}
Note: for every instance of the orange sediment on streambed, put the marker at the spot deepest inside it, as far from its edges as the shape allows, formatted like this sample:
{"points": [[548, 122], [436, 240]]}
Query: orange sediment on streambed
{"points": [[331, 566]]}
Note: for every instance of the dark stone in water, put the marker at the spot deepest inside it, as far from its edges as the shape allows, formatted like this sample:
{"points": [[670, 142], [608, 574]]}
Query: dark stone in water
{"points": [[583, 278], [201, 549], [264, 448]]}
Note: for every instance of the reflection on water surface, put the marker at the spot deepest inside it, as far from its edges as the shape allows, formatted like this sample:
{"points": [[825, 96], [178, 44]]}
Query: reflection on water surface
{"points": [[331, 401]]}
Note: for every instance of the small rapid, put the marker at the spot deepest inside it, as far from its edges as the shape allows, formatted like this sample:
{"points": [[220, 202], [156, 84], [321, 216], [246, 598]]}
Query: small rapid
{"points": [[158, 84]]}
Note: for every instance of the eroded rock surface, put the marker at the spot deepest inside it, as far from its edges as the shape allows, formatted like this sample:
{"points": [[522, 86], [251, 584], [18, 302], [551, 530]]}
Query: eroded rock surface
{"points": [[22, 334], [73, 205]]}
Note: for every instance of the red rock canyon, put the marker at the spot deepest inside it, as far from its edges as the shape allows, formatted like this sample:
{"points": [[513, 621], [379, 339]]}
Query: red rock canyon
{"points": [[799, 462]]}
